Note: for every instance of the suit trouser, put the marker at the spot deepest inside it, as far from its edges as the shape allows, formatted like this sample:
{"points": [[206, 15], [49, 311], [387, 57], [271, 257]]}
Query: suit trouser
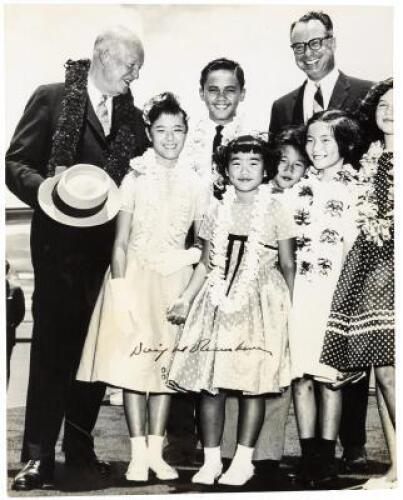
{"points": [[67, 282], [352, 431]]}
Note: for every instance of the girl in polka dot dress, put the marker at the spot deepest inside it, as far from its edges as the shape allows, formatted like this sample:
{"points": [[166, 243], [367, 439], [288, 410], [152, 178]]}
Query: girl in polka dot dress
{"points": [[323, 203], [360, 331], [235, 336]]}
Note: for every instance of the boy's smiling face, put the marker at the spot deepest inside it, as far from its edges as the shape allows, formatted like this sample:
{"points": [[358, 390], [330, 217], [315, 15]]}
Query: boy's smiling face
{"points": [[222, 94]]}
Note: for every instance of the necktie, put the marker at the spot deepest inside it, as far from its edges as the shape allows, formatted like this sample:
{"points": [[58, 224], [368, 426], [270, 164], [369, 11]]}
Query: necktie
{"points": [[318, 100], [218, 137], [103, 115], [218, 185]]}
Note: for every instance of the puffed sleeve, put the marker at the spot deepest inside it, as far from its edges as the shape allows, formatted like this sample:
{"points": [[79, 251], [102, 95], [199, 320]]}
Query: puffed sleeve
{"points": [[127, 192], [208, 223], [283, 220]]}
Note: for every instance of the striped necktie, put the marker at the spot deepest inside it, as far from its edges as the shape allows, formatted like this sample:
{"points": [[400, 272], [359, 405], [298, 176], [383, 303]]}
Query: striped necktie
{"points": [[318, 100], [103, 115]]}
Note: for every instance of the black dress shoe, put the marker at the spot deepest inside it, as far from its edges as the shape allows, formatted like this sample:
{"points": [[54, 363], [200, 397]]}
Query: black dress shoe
{"points": [[354, 461], [91, 463], [34, 475]]}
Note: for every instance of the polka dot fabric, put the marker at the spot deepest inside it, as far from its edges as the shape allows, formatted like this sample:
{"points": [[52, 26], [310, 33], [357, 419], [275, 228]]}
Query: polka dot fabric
{"points": [[360, 330], [246, 350]]}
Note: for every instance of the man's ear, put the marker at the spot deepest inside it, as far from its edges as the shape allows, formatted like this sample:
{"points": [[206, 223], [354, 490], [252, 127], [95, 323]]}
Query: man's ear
{"points": [[104, 56], [243, 92], [201, 93]]}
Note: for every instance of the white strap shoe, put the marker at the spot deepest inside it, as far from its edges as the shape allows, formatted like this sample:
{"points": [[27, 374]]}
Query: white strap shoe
{"points": [[137, 471], [236, 476], [163, 470], [208, 473]]}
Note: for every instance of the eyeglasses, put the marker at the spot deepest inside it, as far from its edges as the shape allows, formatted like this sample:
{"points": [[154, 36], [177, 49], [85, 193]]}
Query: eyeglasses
{"points": [[314, 44]]}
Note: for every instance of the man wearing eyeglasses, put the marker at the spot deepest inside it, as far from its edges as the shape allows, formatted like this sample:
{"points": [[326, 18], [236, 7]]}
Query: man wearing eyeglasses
{"points": [[326, 87], [314, 45]]}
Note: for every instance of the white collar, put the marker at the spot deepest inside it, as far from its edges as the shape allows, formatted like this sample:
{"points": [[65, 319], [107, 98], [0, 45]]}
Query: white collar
{"points": [[327, 85], [96, 96]]}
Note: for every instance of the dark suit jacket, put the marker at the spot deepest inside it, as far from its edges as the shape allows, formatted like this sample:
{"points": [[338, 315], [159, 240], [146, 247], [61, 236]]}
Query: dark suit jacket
{"points": [[288, 109], [67, 260]]}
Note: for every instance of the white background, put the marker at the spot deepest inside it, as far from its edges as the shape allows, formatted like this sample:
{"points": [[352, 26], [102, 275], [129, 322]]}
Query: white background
{"points": [[179, 40]]}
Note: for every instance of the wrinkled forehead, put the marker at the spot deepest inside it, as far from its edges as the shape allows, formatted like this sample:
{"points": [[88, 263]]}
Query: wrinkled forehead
{"points": [[305, 31], [131, 51]]}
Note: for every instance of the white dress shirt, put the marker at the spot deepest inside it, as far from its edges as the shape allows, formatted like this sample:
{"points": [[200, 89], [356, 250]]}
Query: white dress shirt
{"points": [[326, 85], [96, 97]]}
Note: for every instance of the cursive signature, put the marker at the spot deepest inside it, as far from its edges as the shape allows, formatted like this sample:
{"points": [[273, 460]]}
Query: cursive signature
{"points": [[203, 345]]}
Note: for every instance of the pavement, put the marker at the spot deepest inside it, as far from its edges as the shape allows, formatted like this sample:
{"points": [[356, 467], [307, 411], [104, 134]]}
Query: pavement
{"points": [[112, 444]]}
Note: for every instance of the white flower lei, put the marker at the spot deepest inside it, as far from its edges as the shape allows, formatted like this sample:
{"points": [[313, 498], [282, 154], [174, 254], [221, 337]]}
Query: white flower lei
{"points": [[198, 148], [312, 257], [374, 228], [250, 263], [183, 178]]}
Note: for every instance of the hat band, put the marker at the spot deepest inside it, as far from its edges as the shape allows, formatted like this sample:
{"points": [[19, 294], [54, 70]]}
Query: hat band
{"points": [[74, 212]]}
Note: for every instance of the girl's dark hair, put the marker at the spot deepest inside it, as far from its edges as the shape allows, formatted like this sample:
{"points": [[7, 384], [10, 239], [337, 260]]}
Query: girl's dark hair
{"points": [[366, 112], [163, 103], [293, 136], [346, 131], [242, 144]]}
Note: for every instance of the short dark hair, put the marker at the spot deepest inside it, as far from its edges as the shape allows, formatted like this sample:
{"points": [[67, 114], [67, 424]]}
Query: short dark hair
{"points": [[317, 15], [223, 63], [242, 144], [346, 131], [163, 103], [293, 136], [366, 111]]}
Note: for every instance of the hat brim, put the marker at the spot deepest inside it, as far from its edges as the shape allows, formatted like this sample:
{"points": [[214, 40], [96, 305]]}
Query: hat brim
{"points": [[107, 213]]}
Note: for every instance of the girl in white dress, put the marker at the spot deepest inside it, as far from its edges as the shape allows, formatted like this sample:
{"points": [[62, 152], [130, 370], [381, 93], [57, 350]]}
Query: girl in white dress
{"points": [[235, 337], [323, 203], [130, 341]]}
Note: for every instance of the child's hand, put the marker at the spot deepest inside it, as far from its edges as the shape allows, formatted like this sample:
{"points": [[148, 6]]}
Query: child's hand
{"points": [[178, 311]]}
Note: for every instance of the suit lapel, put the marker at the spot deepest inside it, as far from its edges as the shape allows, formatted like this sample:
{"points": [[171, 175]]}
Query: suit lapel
{"points": [[340, 92], [298, 108], [94, 122]]}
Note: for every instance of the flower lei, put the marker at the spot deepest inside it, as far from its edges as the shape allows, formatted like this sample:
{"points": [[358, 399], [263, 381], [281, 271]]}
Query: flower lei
{"points": [[374, 227], [198, 147], [250, 263], [122, 144], [312, 255], [157, 190]]}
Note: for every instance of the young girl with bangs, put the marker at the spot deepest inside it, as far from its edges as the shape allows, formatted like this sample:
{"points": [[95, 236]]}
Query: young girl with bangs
{"points": [[324, 210], [236, 308]]}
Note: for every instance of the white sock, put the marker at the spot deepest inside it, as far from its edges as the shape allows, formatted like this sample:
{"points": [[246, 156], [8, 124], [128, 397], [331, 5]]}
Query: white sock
{"points": [[243, 454], [155, 444], [138, 446], [212, 454]]}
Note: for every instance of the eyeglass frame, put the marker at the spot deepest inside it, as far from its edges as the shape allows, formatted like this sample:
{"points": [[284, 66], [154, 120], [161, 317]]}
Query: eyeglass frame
{"points": [[308, 44]]}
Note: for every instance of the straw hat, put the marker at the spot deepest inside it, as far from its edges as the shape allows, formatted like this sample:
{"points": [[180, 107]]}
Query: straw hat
{"points": [[82, 196]]}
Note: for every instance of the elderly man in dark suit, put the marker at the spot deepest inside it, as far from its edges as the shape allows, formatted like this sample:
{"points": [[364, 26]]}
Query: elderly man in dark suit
{"points": [[326, 87], [90, 118]]}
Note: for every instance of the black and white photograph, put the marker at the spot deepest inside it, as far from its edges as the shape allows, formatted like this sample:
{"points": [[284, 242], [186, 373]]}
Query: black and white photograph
{"points": [[199, 249]]}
